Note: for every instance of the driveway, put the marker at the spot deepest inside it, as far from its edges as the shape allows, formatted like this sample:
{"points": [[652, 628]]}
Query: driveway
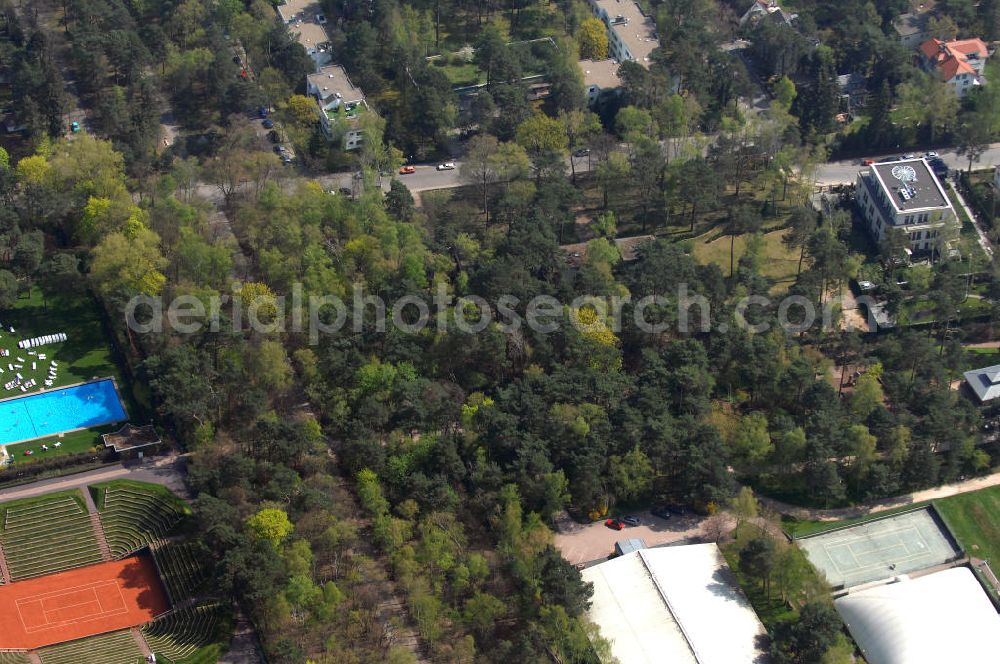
{"points": [[594, 542]]}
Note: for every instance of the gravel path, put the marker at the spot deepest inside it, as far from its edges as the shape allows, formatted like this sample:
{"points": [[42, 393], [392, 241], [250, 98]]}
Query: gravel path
{"points": [[944, 491]]}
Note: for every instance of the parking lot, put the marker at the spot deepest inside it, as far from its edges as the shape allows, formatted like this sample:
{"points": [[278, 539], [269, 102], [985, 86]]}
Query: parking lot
{"points": [[594, 542]]}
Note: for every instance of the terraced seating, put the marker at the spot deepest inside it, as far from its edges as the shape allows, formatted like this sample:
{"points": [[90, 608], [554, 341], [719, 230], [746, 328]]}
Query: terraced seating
{"points": [[179, 634], [182, 568], [112, 648], [12, 657], [50, 536], [133, 519]]}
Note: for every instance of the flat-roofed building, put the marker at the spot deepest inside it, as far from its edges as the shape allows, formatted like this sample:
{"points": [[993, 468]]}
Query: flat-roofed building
{"points": [[341, 104], [599, 76], [631, 34], [314, 39], [904, 194], [911, 28], [676, 604], [291, 11]]}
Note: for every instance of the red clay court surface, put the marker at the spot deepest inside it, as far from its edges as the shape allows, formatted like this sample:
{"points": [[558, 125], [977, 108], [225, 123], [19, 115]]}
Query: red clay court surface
{"points": [[81, 602]]}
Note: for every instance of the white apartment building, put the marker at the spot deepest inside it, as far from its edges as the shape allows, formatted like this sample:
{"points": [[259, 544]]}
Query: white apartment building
{"points": [[904, 194], [340, 104], [631, 34]]}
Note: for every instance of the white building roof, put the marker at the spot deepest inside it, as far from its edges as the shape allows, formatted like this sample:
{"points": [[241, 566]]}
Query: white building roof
{"points": [[331, 81], [636, 30], [941, 617], [292, 10], [677, 604], [310, 35], [602, 73], [985, 382]]}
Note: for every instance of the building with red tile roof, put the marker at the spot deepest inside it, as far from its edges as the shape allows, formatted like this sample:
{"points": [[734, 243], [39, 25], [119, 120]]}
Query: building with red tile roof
{"points": [[959, 62]]}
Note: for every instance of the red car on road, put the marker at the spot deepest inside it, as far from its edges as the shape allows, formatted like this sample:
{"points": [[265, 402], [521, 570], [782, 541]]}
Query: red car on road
{"points": [[614, 524], [406, 170]]}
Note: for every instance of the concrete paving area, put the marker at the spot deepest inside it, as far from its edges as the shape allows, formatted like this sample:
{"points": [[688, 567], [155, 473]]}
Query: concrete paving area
{"points": [[594, 542]]}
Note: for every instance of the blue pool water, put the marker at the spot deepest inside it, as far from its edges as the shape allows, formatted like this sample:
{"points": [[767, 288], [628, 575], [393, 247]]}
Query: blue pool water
{"points": [[55, 411]]}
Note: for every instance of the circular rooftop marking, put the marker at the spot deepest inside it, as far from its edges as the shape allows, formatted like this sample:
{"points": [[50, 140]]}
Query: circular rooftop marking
{"points": [[904, 173]]}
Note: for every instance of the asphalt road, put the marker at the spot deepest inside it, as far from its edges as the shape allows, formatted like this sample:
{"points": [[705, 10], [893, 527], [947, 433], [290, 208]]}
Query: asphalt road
{"points": [[428, 177], [846, 172], [830, 173]]}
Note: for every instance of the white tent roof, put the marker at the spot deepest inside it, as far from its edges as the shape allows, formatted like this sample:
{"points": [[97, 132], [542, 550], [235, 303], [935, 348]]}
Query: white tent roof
{"points": [[677, 604], [942, 617]]}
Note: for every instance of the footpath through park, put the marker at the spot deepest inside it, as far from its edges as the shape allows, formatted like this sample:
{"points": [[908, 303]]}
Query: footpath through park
{"points": [[837, 514]]}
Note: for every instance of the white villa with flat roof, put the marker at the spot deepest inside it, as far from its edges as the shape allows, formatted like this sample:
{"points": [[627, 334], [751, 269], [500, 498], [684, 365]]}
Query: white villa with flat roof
{"points": [[904, 194], [340, 104]]}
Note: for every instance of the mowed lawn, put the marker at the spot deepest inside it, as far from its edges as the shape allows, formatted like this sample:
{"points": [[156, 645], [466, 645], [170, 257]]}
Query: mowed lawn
{"points": [[975, 520], [86, 354], [778, 262]]}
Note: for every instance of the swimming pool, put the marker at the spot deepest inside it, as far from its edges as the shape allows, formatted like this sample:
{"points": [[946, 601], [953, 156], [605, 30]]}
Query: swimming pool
{"points": [[55, 411]]}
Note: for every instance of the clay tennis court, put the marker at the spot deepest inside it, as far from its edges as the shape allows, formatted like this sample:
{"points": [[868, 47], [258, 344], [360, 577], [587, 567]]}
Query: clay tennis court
{"points": [[81, 602]]}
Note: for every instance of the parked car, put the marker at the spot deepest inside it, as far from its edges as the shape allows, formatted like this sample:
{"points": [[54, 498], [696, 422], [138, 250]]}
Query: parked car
{"points": [[867, 162], [346, 191], [614, 524], [931, 155], [321, 19], [631, 520], [582, 152], [446, 166], [74, 127], [909, 156], [262, 111], [661, 511], [268, 123], [938, 166], [406, 170], [865, 286]]}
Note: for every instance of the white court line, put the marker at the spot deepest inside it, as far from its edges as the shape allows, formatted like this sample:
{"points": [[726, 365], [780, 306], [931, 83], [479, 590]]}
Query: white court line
{"points": [[50, 595], [92, 600], [120, 597]]}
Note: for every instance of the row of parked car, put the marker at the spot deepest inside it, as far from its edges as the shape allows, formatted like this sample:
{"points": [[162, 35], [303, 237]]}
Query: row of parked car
{"points": [[934, 160], [283, 152], [663, 512]]}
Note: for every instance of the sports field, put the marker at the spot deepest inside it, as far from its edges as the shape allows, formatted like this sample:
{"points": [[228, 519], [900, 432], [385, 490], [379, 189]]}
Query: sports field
{"points": [[880, 549], [80, 602]]}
